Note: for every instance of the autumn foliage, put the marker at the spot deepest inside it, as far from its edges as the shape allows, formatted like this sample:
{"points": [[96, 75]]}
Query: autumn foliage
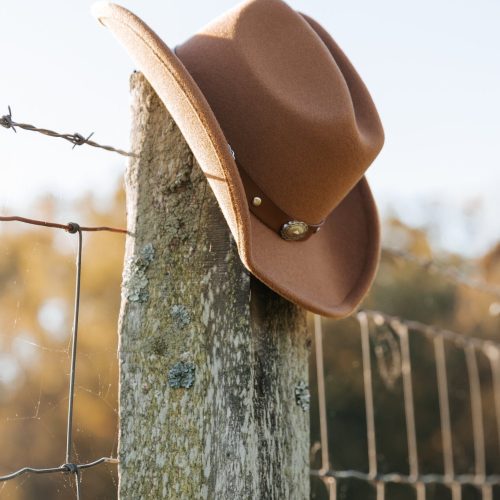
{"points": [[37, 278]]}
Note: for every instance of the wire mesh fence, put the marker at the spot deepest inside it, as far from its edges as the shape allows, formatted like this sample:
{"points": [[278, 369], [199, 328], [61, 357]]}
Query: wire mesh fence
{"points": [[386, 354], [70, 465]]}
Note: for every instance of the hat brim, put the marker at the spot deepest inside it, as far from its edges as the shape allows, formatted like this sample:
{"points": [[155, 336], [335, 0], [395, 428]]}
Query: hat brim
{"points": [[328, 274]]}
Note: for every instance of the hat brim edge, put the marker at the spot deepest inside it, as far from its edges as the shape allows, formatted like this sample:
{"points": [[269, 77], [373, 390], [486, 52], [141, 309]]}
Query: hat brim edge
{"points": [[196, 120]]}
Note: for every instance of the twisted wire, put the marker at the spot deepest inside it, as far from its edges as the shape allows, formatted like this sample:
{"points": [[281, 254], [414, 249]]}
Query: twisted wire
{"points": [[76, 139]]}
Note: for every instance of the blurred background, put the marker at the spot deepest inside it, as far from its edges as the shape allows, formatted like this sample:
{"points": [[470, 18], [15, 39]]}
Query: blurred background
{"points": [[434, 74]]}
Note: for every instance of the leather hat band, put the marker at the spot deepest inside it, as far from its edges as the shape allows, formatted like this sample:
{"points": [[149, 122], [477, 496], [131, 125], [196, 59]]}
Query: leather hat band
{"points": [[271, 215]]}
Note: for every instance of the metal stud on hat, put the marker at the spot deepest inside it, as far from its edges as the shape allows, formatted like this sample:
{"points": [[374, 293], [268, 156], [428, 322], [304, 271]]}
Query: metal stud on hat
{"points": [[294, 230]]}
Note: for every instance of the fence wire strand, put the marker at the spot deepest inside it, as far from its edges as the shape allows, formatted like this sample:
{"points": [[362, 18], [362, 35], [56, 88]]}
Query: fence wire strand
{"points": [[323, 420], [76, 139], [368, 389], [444, 407], [71, 227], [69, 466]]}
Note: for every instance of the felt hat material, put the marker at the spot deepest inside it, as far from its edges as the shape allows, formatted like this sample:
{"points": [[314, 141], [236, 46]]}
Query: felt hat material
{"points": [[284, 129]]}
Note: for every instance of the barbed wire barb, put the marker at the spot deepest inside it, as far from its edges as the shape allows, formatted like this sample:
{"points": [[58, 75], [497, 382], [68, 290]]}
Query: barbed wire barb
{"points": [[6, 121], [76, 139]]}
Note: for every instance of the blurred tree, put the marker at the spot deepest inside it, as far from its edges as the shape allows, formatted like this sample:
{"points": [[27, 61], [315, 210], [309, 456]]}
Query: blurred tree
{"points": [[37, 268]]}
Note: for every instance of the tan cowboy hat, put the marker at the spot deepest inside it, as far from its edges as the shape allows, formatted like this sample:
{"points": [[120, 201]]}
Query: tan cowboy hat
{"points": [[284, 129]]}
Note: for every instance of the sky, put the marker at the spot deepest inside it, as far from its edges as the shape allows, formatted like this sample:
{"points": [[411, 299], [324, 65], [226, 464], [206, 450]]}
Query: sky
{"points": [[432, 68]]}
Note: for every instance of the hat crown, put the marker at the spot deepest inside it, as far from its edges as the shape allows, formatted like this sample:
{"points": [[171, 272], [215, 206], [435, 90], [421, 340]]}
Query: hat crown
{"points": [[290, 104]]}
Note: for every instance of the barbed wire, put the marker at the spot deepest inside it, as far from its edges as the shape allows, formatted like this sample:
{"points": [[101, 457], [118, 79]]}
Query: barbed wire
{"points": [[76, 139], [69, 466]]}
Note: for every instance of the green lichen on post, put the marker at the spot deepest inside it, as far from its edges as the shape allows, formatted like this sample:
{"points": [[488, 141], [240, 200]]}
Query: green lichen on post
{"points": [[158, 344], [134, 276], [182, 375], [302, 395], [180, 315], [208, 356]]}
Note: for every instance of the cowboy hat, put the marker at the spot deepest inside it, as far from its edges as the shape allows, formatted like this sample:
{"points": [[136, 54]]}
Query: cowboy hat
{"points": [[284, 129]]}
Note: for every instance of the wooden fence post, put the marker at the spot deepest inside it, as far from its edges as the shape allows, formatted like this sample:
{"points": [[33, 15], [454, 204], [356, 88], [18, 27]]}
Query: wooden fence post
{"points": [[213, 365]]}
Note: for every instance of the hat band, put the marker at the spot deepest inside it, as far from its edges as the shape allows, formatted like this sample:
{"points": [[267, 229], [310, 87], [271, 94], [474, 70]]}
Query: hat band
{"points": [[271, 215]]}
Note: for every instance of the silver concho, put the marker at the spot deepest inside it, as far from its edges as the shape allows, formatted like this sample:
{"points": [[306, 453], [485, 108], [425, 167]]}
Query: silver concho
{"points": [[294, 230]]}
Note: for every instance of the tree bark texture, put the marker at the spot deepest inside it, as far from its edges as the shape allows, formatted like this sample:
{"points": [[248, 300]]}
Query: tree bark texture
{"points": [[213, 365]]}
